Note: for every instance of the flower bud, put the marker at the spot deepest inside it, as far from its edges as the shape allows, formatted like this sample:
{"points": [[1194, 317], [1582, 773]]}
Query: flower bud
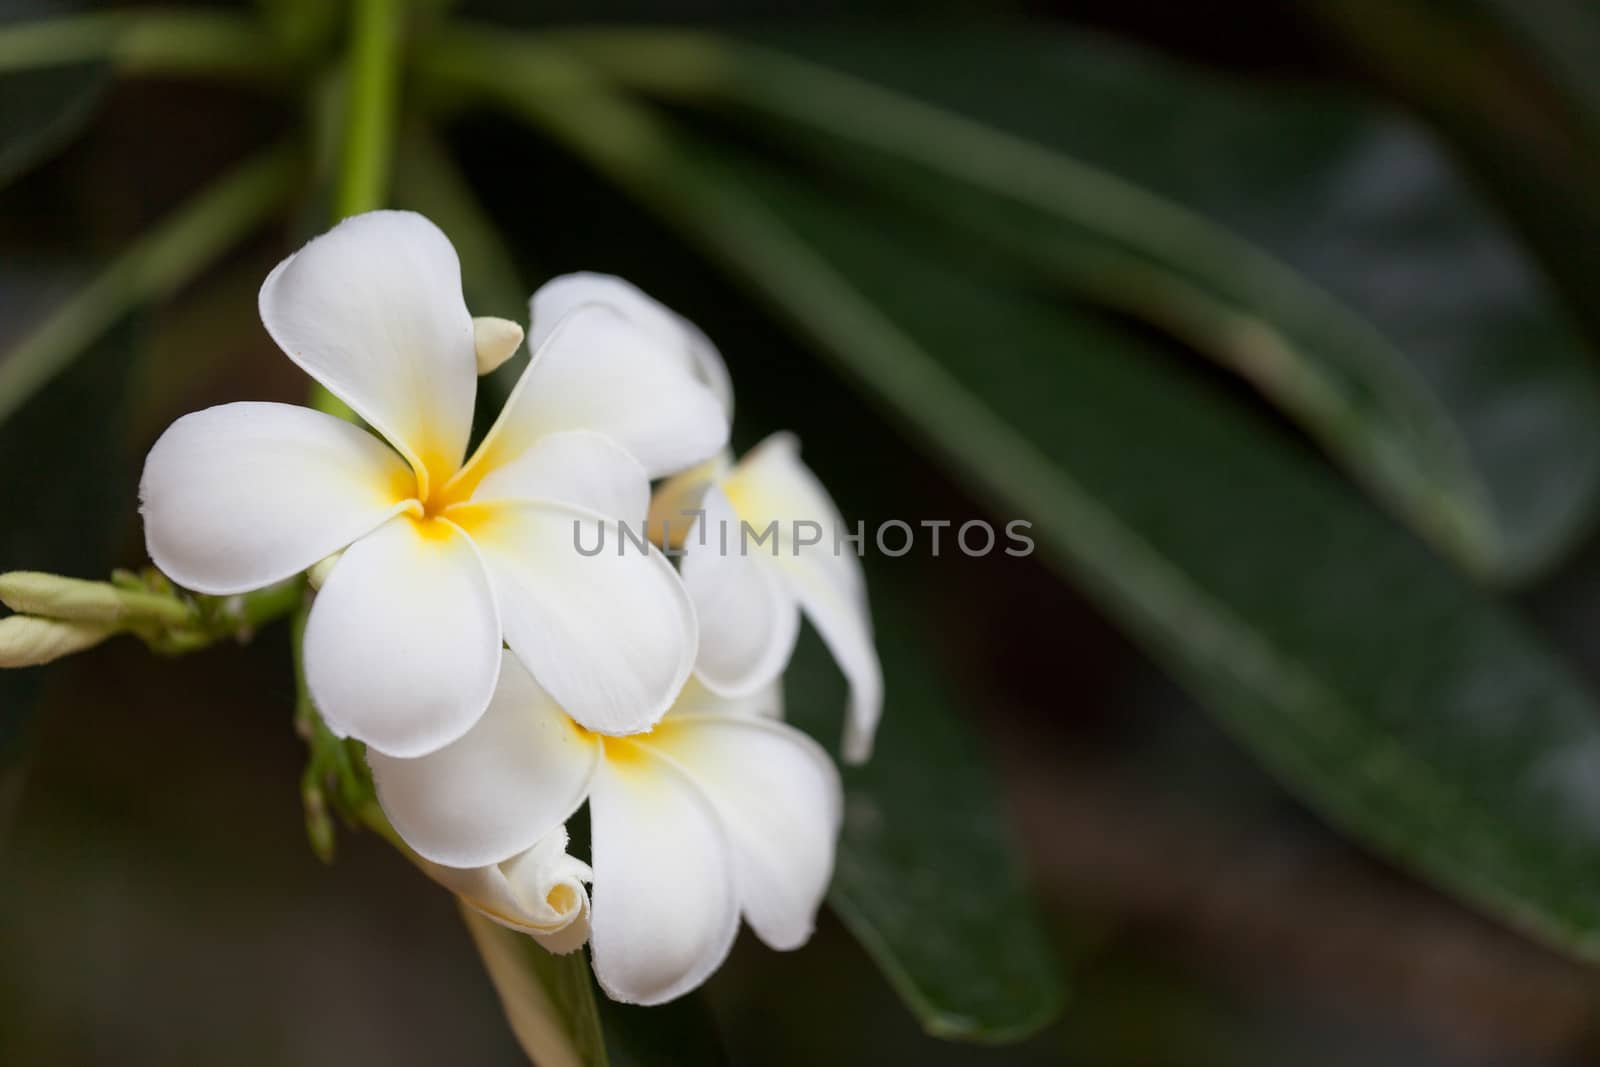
{"points": [[27, 642], [55, 597], [60, 598], [495, 341]]}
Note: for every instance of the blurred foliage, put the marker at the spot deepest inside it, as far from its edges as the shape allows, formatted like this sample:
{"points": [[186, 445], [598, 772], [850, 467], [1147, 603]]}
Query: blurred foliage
{"points": [[1203, 332]]}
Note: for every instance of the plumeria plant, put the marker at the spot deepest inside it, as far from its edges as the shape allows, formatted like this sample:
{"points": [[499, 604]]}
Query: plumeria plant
{"points": [[493, 676], [469, 677], [396, 341]]}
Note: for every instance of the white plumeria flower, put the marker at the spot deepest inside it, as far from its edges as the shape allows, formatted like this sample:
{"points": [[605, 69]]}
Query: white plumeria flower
{"points": [[749, 585], [442, 559], [719, 810], [748, 605], [539, 892]]}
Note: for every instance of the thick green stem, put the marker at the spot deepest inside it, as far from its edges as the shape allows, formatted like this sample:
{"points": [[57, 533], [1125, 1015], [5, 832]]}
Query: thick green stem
{"points": [[372, 106]]}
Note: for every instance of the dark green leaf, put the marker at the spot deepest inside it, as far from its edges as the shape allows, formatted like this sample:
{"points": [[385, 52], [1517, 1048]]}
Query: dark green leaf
{"points": [[549, 1000], [1327, 253], [927, 877], [682, 1031], [1379, 685], [40, 110], [1434, 727], [1511, 82]]}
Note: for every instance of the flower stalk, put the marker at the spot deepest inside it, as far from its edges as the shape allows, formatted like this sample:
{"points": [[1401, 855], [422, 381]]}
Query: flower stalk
{"points": [[57, 616]]}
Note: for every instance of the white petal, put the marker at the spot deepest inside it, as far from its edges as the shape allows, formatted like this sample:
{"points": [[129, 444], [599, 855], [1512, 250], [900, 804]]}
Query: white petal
{"points": [[577, 467], [665, 909], [748, 618], [243, 495], [539, 892], [501, 787], [611, 636], [602, 372], [373, 310], [402, 647], [780, 801], [560, 296], [771, 484], [696, 699], [846, 628]]}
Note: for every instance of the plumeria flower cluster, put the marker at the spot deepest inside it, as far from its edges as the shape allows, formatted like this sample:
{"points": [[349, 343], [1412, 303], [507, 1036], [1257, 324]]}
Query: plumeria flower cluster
{"points": [[499, 677]]}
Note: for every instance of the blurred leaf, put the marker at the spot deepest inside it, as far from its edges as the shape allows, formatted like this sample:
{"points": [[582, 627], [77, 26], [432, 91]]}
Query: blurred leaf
{"points": [[1512, 83], [927, 876], [1380, 686], [1327, 254], [41, 110], [175, 250], [549, 1000], [682, 1031]]}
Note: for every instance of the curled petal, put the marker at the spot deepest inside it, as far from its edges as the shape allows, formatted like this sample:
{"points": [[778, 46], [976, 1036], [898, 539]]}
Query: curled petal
{"points": [[611, 636], [540, 892], [665, 904], [748, 618], [504, 785], [779, 799], [560, 296], [373, 310], [402, 646], [600, 371], [772, 485], [240, 496]]}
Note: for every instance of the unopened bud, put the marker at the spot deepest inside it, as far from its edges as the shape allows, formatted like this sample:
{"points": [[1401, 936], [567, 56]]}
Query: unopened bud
{"points": [[27, 642], [60, 598], [55, 597], [495, 341]]}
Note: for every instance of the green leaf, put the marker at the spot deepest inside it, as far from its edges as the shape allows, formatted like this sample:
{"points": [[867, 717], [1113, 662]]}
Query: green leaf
{"points": [[1325, 252], [682, 1031], [1435, 728], [1380, 686], [41, 110], [927, 877], [1511, 82], [156, 264], [549, 1000]]}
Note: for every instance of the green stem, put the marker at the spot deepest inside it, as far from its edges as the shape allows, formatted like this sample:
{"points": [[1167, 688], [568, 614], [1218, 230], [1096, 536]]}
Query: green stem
{"points": [[371, 106], [145, 42], [151, 268]]}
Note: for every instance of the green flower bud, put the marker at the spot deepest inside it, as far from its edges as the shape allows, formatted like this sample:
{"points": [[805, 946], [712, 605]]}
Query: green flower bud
{"points": [[26, 641]]}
